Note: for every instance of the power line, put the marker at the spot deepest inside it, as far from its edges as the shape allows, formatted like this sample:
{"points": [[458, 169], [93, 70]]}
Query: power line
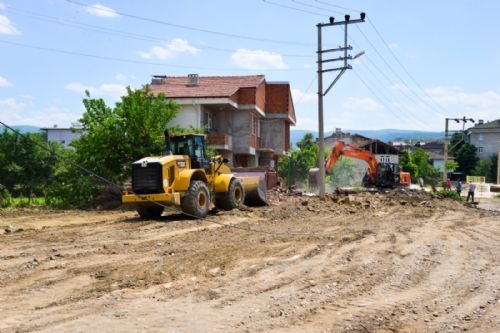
{"points": [[186, 27], [395, 73], [381, 93], [378, 98], [376, 50], [337, 6], [292, 8], [401, 91], [125, 34], [95, 56], [390, 81], [404, 68], [317, 7]]}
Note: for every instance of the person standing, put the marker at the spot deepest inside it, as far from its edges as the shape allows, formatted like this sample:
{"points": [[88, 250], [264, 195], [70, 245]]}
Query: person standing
{"points": [[472, 188], [459, 186], [448, 185]]}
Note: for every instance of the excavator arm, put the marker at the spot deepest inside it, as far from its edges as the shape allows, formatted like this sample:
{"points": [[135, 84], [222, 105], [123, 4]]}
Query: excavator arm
{"points": [[341, 148]]}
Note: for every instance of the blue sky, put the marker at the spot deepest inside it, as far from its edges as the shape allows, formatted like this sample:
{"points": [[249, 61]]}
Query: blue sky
{"points": [[424, 60]]}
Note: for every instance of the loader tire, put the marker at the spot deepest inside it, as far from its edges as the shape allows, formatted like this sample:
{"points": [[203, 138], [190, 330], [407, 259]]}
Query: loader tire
{"points": [[197, 200], [231, 199], [150, 212]]}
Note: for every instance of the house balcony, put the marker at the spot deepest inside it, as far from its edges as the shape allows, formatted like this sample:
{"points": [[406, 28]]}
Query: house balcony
{"points": [[221, 141]]}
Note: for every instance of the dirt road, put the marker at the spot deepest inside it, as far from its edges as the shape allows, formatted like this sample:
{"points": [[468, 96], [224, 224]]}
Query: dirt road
{"points": [[358, 263]]}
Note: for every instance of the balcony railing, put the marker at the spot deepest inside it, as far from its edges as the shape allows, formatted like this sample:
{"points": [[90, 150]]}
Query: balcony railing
{"points": [[220, 140]]}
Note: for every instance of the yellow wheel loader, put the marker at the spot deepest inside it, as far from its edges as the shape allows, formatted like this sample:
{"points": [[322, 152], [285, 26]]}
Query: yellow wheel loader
{"points": [[183, 177]]}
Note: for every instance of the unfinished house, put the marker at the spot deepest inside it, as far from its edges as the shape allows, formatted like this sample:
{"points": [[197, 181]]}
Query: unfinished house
{"points": [[246, 118], [352, 139], [486, 138], [384, 152]]}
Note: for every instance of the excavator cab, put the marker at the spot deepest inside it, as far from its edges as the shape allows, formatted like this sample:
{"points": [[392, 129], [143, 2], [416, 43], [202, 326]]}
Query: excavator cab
{"points": [[387, 175]]}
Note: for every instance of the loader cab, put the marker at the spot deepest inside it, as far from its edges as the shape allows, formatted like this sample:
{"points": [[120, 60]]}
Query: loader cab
{"points": [[192, 145]]}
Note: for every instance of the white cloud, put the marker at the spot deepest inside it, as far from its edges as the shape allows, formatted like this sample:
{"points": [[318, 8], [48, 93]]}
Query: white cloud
{"points": [[120, 77], [458, 103], [169, 50], [393, 46], [299, 96], [78, 87], [362, 104], [399, 87], [6, 27], [15, 112], [4, 82], [113, 90], [11, 105], [101, 10], [307, 66], [258, 59]]}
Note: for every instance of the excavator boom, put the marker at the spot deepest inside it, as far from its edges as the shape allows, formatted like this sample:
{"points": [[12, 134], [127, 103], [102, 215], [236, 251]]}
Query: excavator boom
{"points": [[379, 174], [341, 148]]}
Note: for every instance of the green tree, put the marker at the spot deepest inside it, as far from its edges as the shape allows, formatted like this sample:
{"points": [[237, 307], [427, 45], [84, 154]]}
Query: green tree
{"points": [[487, 168], [466, 158], [425, 168], [418, 165], [492, 175], [456, 140], [115, 137], [295, 168], [407, 164], [451, 165], [26, 167]]}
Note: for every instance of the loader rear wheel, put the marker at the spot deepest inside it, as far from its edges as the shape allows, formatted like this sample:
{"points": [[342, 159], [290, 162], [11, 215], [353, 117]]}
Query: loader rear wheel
{"points": [[231, 199], [150, 212], [197, 200]]}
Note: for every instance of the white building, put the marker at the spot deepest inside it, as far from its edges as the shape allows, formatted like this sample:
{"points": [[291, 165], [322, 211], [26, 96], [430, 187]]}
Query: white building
{"points": [[62, 135]]}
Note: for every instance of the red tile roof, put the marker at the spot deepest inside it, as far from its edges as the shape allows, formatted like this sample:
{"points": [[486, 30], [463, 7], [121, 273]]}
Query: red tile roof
{"points": [[208, 86]]}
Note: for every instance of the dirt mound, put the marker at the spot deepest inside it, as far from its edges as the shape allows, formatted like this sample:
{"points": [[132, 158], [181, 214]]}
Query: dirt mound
{"points": [[400, 261]]}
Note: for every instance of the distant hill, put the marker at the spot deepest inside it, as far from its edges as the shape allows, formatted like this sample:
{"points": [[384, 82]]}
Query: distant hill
{"points": [[382, 135], [25, 128]]}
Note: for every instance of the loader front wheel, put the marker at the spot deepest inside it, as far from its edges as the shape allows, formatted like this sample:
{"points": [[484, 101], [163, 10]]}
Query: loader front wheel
{"points": [[231, 199], [197, 200], [150, 212]]}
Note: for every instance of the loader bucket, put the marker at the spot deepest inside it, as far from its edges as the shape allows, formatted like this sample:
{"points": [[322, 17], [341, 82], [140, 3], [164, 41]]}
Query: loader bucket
{"points": [[255, 190]]}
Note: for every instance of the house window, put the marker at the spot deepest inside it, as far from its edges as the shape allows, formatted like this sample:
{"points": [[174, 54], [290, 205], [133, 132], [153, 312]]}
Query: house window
{"points": [[480, 149], [209, 120], [255, 126]]}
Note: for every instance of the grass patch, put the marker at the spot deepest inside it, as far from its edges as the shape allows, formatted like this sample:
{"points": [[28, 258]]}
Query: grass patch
{"points": [[449, 194], [23, 202]]}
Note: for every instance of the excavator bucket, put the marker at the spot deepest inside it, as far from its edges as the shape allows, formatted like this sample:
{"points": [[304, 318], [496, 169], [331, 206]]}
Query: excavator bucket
{"points": [[255, 190]]}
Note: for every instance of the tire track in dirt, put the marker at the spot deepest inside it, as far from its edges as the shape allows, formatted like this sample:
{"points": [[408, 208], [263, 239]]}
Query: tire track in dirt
{"points": [[382, 265]]}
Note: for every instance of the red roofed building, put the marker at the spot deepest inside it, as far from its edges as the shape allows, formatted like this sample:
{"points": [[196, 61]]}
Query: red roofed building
{"points": [[247, 118]]}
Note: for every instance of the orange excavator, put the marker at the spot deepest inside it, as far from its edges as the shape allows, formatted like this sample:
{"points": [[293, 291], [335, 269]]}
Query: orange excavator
{"points": [[378, 174]]}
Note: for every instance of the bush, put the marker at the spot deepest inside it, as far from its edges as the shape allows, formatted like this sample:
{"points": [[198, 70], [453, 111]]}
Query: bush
{"points": [[449, 194], [5, 197]]}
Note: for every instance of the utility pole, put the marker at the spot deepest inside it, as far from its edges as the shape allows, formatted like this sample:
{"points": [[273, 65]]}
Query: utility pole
{"points": [[321, 94], [446, 142]]}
